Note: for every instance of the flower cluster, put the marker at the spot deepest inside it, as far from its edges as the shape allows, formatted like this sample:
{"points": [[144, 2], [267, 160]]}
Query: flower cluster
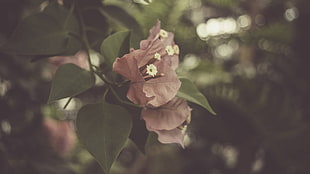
{"points": [[169, 121], [154, 85], [79, 59], [61, 135]]}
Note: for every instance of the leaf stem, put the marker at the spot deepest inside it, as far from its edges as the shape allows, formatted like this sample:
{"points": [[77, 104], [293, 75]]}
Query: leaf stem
{"points": [[103, 78], [91, 66], [69, 100], [105, 93], [121, 100], [71, 10], [84, 38]]}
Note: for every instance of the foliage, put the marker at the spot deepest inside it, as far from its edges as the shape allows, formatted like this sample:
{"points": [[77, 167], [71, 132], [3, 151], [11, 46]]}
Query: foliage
{"points": [[69, 81], [51, 32], [104, 129]]}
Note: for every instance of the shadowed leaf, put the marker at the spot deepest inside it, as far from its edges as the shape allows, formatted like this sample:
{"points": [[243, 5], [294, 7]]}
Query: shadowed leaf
{"points": [[69, 81], [104, 129], [115, 46], [188, 91], [51, 32], [120, 16]]}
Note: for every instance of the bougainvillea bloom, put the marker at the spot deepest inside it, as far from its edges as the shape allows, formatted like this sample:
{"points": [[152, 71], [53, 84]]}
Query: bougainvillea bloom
{"points": [[79, 59], [169, 121], [151, 69], [166, 39], [61, 135]]}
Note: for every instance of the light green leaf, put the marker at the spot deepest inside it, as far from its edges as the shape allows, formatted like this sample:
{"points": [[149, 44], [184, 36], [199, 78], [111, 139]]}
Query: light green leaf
{"points": [[69, 81], [104, 129], [120, 16], [51, 32], [188, 91], [115, 46]]}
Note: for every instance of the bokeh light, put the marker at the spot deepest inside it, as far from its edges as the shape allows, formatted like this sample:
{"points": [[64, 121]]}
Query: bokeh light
{"points": [[291, 14], [216, 27]]}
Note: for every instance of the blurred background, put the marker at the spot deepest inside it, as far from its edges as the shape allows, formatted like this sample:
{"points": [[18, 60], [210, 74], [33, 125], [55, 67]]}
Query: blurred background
{"points": [[249, 57]]}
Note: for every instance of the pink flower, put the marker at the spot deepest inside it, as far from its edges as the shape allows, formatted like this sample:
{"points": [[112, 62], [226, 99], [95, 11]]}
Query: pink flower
{"points": [[151, 69], [61, 135], [169, 121], [79, 59], [166, 38]]}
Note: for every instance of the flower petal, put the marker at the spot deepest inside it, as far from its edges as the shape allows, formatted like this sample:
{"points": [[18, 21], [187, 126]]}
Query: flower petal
{"points": [[154, 43], [79, 59], [143, 56], [136, 94], [61, 135], [154, 31], [154, 35], [127, 66], [170, 136], [167, 117], [159, 87], [164, 88]]}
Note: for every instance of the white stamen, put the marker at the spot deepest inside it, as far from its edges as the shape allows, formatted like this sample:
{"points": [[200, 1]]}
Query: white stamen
{"points": [[169, 50], [151, 70], [157, 56], [163, 33]]}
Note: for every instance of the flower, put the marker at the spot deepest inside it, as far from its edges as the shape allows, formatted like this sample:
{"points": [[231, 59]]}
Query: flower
{"points": [[151, 70], [79, 59], [154, 84], [61, 135], [166, 39], [169, 121]]}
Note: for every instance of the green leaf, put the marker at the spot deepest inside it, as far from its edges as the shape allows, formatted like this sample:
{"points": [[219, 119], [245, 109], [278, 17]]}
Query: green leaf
{"points": [[135, 39], [120, 16], [151, 141], [139, 134], [189, 92], [115, 46], [104, 129], [69, 81], [51, 32]]}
